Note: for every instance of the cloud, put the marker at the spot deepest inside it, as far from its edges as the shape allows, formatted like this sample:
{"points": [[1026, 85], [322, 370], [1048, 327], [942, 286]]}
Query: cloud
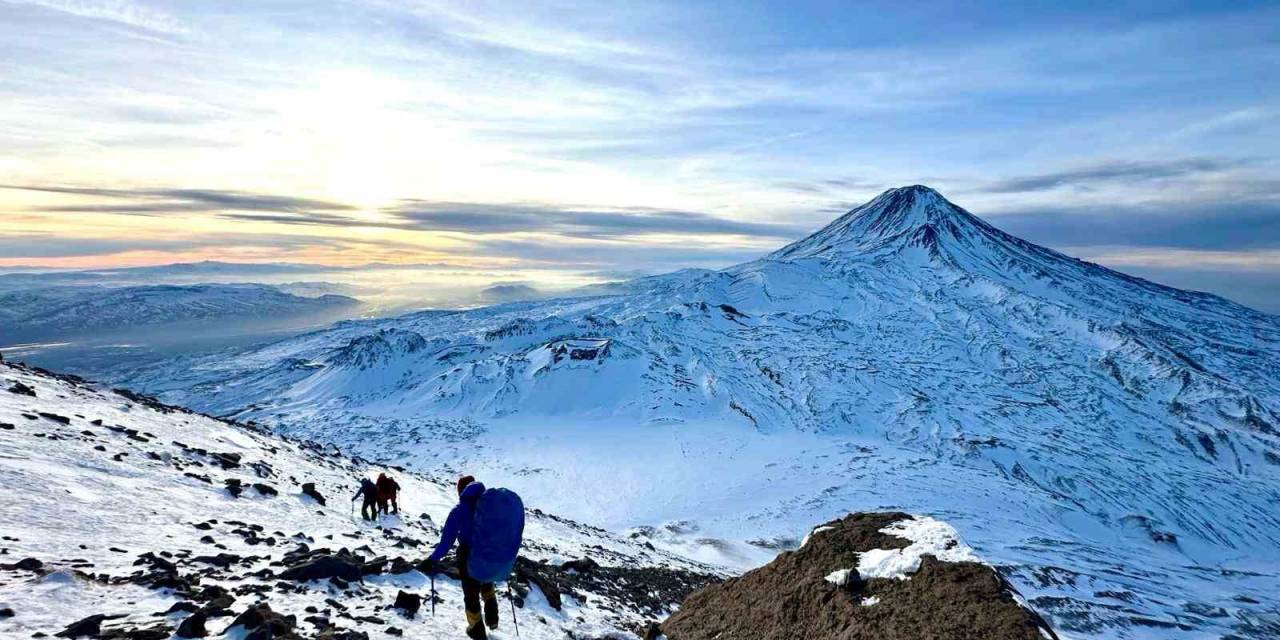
{"points": [[151, 201], [577, 222], [830, 185], [118, 11], [1108, 172], [1222, 226]]}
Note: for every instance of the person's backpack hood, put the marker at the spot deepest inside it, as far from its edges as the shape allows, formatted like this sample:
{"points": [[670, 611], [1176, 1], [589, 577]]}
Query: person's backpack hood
{"points": [[471, 492]]}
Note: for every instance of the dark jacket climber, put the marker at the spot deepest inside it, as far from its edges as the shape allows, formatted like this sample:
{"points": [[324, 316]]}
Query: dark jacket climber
{"points": [[387, 490], [459, 527], [368, 509]]}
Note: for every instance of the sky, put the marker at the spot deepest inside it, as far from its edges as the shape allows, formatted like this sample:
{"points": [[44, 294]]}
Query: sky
{"points": [[557, 142]]}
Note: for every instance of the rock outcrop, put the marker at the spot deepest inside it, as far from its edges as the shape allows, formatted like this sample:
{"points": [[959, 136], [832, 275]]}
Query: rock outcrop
{"points": [[859, 578]]}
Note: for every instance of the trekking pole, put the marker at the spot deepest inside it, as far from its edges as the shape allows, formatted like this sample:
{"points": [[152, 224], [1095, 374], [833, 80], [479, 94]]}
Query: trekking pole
{"points": [[513, 609], [433, 595]]}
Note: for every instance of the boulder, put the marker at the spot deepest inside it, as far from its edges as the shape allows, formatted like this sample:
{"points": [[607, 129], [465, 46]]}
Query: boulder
{"points": [[409, 603], [193, 626], [309, 489], [90, 626], [323, 567]]}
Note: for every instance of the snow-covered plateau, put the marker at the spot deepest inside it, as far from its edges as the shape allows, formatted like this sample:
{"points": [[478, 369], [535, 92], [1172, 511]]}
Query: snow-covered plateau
{"points": [[1109, 443]]}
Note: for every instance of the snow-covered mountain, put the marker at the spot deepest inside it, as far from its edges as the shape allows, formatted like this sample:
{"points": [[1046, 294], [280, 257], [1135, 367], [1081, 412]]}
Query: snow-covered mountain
{"points": [[54, 312], [1111, 442]]}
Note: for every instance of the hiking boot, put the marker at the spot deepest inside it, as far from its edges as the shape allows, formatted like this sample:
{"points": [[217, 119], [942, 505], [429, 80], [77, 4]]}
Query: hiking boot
{"points": [[475, 630]]}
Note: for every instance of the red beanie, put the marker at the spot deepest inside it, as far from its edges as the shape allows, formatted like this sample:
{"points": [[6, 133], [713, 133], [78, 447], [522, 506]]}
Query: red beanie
{"points": [[463, 482]]}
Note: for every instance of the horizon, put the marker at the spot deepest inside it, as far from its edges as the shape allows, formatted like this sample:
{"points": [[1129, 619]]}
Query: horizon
{"points": [[548, 145]]}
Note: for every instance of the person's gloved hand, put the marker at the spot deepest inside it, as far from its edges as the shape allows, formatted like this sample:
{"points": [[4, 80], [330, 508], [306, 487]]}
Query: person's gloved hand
{"points": [[430, 567]]}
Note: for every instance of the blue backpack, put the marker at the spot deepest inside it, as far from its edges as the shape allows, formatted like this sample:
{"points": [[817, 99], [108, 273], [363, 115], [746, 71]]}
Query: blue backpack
{"points": [[496, 535]]}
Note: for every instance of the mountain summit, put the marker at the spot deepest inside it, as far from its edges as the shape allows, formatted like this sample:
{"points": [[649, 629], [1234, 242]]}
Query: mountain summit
{"points": [[916, 214], [909, 356]]}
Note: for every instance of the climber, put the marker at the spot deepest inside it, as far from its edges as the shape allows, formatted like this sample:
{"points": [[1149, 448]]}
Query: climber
{"points": [[369, 509], [494, 542], [387, 491]]}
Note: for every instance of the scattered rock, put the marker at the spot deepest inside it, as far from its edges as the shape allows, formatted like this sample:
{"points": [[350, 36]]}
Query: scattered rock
{"points": [[581, 565], [90, 626], [265, 489], [22, 390], [6, 612], [322, 567], [263, 623], [309, 489], [409, 603], [54, 417], [234, 487], [25, 564], [193, 625]]}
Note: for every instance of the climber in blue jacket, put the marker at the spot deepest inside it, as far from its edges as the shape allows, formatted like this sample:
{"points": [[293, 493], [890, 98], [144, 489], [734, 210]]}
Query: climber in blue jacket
{"points": [[458, 527], [369, 509]]}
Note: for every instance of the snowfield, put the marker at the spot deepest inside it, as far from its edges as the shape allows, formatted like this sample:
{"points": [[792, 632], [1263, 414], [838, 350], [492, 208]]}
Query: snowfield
{"points": [[1113, 445], [103, 490]]}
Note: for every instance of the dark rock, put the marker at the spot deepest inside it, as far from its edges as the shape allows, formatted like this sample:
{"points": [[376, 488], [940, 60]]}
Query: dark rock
{"points": [[260, 619], [54, 417], [374, 567], [22, 390], [400, 565], [322, 567], [227, 460], [581, 565], [309, 489], [25, 564], [392, 631], [409, 603], [265, 489], [90, 626], [183, 605], [193, 626], [234, 487], [222, 560], [6, 612]]}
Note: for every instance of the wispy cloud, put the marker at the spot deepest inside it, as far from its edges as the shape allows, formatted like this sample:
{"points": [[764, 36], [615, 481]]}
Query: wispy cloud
{"points": [[579, 222], [1110, 172], [148, 201], [122, 12]]}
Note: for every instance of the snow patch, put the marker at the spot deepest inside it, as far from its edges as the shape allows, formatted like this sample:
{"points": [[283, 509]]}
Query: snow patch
{"points": [[840, 577], [928, 537]]}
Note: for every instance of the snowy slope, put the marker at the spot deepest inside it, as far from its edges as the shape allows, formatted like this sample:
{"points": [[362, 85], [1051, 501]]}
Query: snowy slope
{"points": [[41, 313], [95, 480], [907, 356]]}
